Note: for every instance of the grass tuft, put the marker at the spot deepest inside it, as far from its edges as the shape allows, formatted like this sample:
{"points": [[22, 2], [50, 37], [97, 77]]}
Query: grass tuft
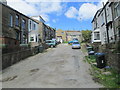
{"points": [[111, 80]]}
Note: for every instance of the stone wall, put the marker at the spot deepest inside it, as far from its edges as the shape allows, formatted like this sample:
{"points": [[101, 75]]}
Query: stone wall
{"points": [[11, 58], [112, 52]]}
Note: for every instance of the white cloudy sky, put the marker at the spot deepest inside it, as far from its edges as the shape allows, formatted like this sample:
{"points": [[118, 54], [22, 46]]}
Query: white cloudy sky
{"points": [[55, 12]]}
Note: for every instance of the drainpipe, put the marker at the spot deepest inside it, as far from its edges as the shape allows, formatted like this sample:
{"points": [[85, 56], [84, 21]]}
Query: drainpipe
{"points": [[106, 23]]}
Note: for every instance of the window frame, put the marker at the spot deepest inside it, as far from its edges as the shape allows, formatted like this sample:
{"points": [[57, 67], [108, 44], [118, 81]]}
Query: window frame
{"points": [[34, 26], [17, 20], [30, 25], [102, 18], [23, 23], [10, 20], [32, 38], [96, 35]]}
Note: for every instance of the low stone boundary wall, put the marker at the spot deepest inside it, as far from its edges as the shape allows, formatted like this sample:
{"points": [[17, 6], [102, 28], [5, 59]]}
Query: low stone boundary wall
{"points": [[113, 60], [112, 54], [12, 58], [9, 59]]}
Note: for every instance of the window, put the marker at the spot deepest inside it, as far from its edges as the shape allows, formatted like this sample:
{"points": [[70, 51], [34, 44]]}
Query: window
{"points": [[75, 42], [97, 36], [23, 24], [17, 36], [119, 31], [17, 20], [117, 9], [11, 21], [102, 18], [62, 32], [31, 38], [30, 25], [74, 35], [36, 39], [108, 12], [96, 24], [34, 27], [24, 39]]}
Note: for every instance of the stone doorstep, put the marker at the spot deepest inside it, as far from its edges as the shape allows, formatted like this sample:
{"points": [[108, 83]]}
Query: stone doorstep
{"points": [[94, 63], [107, 73]]}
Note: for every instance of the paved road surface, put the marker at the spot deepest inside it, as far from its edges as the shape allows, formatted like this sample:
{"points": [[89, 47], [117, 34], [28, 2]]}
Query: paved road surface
{"points": [[59, 67]]}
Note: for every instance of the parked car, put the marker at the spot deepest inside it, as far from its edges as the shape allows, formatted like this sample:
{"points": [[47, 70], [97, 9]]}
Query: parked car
{"points": [[51, 43], [76, 45], [75, 39], [70, 42], [55, 40]]}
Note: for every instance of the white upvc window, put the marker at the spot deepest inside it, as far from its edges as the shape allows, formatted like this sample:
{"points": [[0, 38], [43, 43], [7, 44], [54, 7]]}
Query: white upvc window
{"points": [[32, 39], [96, 35]]}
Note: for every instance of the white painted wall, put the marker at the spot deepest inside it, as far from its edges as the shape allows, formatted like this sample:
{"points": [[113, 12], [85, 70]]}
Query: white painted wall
{"points": [[38, 18], [96, 28], [33, 31]]}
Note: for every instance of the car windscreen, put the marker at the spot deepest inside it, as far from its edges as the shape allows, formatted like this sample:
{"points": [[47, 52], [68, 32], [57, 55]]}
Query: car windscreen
{"points": [[75, 42], [49, 41]]}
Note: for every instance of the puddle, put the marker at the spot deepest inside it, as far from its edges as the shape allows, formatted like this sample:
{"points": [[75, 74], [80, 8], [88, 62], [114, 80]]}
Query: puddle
{"points": [[8, 79]]}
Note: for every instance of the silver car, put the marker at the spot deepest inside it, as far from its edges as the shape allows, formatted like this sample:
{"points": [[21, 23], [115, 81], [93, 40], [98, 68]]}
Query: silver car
{"points": [[76, 45]]}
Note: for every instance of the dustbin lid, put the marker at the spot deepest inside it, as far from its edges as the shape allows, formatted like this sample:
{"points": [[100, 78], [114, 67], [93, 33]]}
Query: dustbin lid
{"points": [[99, 54], [91, 52]]}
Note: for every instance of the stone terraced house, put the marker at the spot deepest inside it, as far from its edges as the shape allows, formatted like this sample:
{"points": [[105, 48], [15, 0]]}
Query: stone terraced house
{"points": [[106, 24], [106, 33], [14, 27]]}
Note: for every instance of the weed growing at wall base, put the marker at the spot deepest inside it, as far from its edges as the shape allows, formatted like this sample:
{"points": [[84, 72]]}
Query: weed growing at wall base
{"points": [[107, 77]]}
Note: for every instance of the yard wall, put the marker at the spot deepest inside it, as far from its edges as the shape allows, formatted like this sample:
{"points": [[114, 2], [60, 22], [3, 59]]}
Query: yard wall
{"points": [[112, 52], [20, 54], [14, 57]]}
